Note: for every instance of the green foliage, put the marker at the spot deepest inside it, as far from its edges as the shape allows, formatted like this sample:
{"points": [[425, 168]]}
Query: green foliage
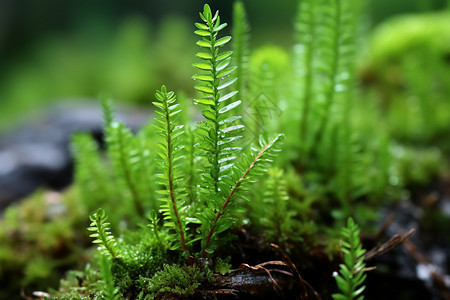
{"points": [[351, 272], [217, 134], [191, 171], [120, 279], [102, 235], [125, 154], [413, 90], [277, 219], [306, 33], [80, 284], [268, 71], [171, 153], [216, 181], [38, 241], [110, 291], [339, 159], [326, 33], [415, 166], [253, 163], [174, 282], [222, 266], [241, 37], [92, 176], [339, 138], [141, 260]]}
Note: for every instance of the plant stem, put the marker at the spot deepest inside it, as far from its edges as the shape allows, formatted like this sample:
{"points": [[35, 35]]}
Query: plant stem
{"points": [[233, 191], [128, 179], [170, 179]]}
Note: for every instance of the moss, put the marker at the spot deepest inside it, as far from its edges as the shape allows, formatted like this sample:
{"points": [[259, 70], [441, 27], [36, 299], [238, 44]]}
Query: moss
{"points": [[39, 241], [175, 282]]}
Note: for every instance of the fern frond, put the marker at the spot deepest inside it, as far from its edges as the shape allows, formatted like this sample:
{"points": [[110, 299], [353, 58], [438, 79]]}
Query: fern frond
{"points": [[275, 203], [337, 55], [253, 164], [217, 135], [351, 272], [145, 167], [110, 291], [108, 112], [128, 159], [306, 38], [191, 170], [241, 36], [123, 154], [91, 175], [171, 154], [102, 235]]}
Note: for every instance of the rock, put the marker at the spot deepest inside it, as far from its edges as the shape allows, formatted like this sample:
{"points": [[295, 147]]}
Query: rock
{"points": [[38, 154]]}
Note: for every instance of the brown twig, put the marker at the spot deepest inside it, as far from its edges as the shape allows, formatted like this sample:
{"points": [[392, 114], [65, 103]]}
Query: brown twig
{"points": [[392, 243], [276, 287], [301, 282]]}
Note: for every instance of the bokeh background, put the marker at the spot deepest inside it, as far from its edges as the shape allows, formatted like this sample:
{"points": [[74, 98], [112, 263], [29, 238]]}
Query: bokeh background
{"points": [[53, 51]]}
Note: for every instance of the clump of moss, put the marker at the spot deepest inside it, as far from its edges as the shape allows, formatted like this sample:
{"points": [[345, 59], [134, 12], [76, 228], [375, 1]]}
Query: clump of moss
{"points": [[174, 281], [40, 241]]}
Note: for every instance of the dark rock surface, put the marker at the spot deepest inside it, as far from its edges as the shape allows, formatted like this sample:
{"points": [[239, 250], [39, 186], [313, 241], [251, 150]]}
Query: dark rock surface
{"points": [[38, 153]]}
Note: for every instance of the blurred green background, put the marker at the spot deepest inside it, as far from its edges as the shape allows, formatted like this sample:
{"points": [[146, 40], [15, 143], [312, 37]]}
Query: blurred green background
{"points": [[53, 51]]}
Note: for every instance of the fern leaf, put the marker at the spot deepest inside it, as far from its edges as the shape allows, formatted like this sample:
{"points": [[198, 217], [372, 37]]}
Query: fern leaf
{"points": [[126, 153], [108, 112], [241, 35], [170, 153], [275, 201], [102, 235], [337, 46], [110, 291], [306, 37], [191, 170], [91, 175], [253, 164], [217, 133], [351, 275]]}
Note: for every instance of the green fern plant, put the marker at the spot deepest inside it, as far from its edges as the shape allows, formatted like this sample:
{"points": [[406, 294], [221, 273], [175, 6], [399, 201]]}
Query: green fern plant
{"points": [[192, 212], [213, 149], [241, 37], [351, 273], [334, 153], [326, 35], [110, 290], [217, 132], [217, 135], [107, 244], [91, 174], [277, 220], [171, 150], [254, 163], [128, 159], [306, 38]]}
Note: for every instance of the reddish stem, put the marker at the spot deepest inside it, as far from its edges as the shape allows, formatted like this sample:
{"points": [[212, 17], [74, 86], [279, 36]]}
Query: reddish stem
{"points": [[170, 179], [238, 183]]}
